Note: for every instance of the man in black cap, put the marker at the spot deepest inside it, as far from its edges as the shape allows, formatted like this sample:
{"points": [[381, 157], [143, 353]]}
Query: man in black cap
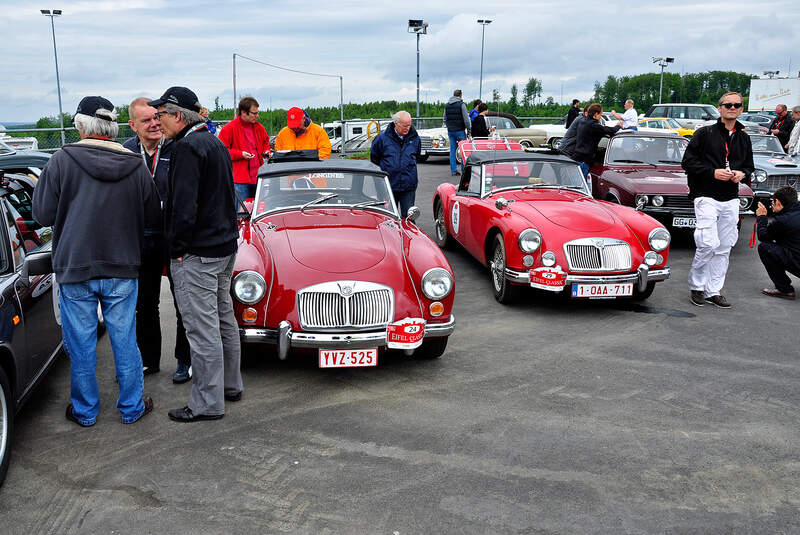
{"points": [[98, 197], [202, 232], [779, 249]]}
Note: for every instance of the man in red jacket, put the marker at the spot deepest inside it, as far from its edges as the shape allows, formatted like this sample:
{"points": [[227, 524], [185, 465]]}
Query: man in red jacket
{"points": [[248, 142]]}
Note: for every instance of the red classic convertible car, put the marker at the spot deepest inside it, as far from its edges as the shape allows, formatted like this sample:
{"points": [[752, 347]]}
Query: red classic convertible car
{"points": [[530, 218], [644, 171], [326, 263]]}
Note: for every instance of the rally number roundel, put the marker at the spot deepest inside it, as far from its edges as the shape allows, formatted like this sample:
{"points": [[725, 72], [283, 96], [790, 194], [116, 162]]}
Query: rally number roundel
{"points": [[454, 217]]}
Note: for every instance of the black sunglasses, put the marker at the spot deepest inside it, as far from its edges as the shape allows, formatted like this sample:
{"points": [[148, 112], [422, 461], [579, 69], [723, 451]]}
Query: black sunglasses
{"points": [[730, 105]]}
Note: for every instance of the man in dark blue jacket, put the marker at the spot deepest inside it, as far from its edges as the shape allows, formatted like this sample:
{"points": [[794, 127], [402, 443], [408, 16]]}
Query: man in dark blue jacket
{"points": [[396, 151], [457, 121], [780, 241]]}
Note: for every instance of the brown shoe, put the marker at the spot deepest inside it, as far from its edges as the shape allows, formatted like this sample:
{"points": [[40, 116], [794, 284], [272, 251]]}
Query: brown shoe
{"points": [[148, 408], [774, 292]]}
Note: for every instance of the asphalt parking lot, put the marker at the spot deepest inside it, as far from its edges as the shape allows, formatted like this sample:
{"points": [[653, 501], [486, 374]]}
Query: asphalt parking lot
{"points": [[543, 417]]}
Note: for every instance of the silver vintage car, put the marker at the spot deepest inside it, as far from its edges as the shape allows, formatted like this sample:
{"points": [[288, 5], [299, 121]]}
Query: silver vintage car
{"points": [[773, 168]]}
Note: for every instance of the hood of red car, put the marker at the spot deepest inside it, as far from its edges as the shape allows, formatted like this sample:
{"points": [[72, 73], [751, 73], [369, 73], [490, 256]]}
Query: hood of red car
{"points": [[335, 241], [565, 209]]}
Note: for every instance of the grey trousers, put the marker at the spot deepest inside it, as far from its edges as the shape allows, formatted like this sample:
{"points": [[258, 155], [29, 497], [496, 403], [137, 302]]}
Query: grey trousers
{"points": [[202, 292]]}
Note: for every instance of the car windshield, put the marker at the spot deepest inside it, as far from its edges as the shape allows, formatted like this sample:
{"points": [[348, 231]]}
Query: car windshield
{"points": [[5, 149], [642, 149], [673, 123], [532, 174], [765, 144], [354, 191]]}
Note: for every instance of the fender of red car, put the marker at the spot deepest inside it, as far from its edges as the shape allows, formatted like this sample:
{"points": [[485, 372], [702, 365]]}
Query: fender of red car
{"points": [[422, 255]]}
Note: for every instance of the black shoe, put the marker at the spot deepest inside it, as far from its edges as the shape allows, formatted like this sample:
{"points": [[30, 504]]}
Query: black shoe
{"points": [[182, 373], [72, 418], [719, 300], [150, 370], [148, 408], [697, 298], [234, 397], [186, 415]]}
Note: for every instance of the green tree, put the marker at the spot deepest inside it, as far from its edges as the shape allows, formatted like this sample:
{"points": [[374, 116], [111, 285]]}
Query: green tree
{"points": [[532, 91], [513, 103]]}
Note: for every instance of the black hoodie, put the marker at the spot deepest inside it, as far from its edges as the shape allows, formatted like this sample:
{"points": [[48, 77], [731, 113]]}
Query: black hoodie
{"points": [[98, 197]]}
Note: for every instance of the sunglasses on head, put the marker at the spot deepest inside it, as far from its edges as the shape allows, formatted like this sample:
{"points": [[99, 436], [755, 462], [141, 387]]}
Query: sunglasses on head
{"points": [[730, 105]]}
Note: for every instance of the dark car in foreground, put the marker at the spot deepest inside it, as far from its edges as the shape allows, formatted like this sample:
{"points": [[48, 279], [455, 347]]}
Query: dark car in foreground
{"points": [[644, 171], [27, 162], [30, 337]]}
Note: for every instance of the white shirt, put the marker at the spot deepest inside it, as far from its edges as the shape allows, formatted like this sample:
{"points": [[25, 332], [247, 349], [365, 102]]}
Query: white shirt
{"points": [[794, 140], [630, 118]]}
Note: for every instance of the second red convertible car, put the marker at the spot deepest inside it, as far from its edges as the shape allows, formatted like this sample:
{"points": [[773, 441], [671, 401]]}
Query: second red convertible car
{"points": [[326, 263], [529, 217]]}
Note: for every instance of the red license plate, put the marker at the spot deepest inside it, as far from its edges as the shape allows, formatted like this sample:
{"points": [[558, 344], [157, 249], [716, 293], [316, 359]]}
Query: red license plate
{"points": [[348, 358]]}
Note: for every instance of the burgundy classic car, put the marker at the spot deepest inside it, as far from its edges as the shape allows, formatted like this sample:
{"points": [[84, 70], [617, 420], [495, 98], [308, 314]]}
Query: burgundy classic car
{"points": [[326, 263], [529, 217], [644, 171]]}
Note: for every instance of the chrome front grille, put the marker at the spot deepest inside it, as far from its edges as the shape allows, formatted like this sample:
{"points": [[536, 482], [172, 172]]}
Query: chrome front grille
{"points": [[598, 254], [776, 181], [345, 304], [426, 142], [678, 201]]}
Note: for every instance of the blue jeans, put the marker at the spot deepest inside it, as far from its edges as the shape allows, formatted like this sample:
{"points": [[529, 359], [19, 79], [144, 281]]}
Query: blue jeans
{"points": [[78, 302], [404, 200], [455, 137], [585, 170], [245, 191]]}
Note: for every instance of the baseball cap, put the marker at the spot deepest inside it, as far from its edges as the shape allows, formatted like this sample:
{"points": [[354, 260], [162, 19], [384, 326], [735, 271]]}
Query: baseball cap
{"points": [[180, 96], [90, 105], [294, 117]]}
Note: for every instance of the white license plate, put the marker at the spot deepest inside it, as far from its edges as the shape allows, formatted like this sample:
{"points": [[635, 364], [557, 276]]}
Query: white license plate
{"points": [[686, 222], [348, 358], [422, 152], [599, 291]]}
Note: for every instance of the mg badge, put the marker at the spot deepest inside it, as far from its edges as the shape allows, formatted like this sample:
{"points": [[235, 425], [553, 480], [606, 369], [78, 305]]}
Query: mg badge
{"points": [[346, 290], [600, 244]]}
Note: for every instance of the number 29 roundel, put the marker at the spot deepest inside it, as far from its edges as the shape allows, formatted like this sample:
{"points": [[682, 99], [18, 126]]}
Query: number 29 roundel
{"points": [[407, 333]]}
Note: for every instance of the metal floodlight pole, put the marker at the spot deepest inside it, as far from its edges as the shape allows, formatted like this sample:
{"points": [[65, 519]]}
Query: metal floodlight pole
{"points": [[56, 13], [483, 23], [662, 62], [417, 79], [234, 86], [417, 26]]}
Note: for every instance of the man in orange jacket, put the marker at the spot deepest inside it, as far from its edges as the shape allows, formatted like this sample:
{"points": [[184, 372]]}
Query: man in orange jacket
{"points": [[247, 142], [301, 133]]}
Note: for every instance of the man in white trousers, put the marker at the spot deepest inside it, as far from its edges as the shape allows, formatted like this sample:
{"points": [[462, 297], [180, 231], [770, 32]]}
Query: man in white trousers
{"points": [[718, 157]]}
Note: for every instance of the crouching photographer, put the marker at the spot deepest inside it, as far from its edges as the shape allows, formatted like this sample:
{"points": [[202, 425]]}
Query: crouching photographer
{"points": [[780, 241]]}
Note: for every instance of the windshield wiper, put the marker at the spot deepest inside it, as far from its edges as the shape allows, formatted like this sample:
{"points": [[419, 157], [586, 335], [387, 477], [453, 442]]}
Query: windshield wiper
{"points": [[368, 203], [634, 161], [319, 200], [669, 161]]}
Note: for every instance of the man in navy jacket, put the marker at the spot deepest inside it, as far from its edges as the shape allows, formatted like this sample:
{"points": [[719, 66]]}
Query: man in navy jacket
{"points": [[779, 249], [396, 151]]}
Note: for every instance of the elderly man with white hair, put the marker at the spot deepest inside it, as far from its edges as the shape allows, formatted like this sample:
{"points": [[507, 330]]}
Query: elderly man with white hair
{"points": [[630, 118], [396, 151], [98, 197]]}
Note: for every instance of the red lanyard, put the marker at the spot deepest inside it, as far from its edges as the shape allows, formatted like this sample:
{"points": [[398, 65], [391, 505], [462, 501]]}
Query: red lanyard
{"points": [[753, 235]]}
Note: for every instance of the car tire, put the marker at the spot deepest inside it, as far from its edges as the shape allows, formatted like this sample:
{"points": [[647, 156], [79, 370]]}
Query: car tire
{"points": [[6, 424], [648, 291], [458, 157], [432, 348], [440, 234], [527, 144], [423, 158], [504, 291], [555, 143]]}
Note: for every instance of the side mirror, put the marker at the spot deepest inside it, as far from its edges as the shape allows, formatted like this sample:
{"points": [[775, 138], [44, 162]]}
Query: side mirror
{"points": [[502, 203], [707, 117], [40, 263], [413, 213]]}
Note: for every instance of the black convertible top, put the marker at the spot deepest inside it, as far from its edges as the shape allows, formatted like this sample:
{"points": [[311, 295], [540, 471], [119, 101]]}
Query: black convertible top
{"points": [[322, 166], [489, 156]]}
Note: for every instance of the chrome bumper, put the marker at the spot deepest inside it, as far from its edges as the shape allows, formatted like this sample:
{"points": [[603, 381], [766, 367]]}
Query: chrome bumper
{"points": [[641, 277], [286, 339]]}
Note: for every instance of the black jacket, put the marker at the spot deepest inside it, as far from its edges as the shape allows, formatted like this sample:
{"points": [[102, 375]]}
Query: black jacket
{"points": [[588, 136], [567, 145], [706, 153], [161, 178], [98, 197], [783, 230], [201, 208], [479, 127], [784, 127], [572, 114], [455, 116]]}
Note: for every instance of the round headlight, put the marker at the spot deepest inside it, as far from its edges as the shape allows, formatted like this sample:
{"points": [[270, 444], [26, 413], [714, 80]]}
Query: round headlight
{"points": [[549, 259], [658, 200], [744, 202], [529, 240], [759, 175], [437, 283], [641, 199], [659, 239], [249, 287], [650, 258]]}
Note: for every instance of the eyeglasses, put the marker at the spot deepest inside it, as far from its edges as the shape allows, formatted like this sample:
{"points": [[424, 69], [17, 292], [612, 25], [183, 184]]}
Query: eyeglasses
{"points": [[160, 114], [253, 113], [730, 105]]}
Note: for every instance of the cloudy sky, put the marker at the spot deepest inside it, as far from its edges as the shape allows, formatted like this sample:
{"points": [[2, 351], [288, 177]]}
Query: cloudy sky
{"points": [[124, 49]]}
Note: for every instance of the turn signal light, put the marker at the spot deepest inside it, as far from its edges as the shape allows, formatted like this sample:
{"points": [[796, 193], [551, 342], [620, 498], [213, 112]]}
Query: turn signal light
{"points": [[436, 308], [249, 315]]}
